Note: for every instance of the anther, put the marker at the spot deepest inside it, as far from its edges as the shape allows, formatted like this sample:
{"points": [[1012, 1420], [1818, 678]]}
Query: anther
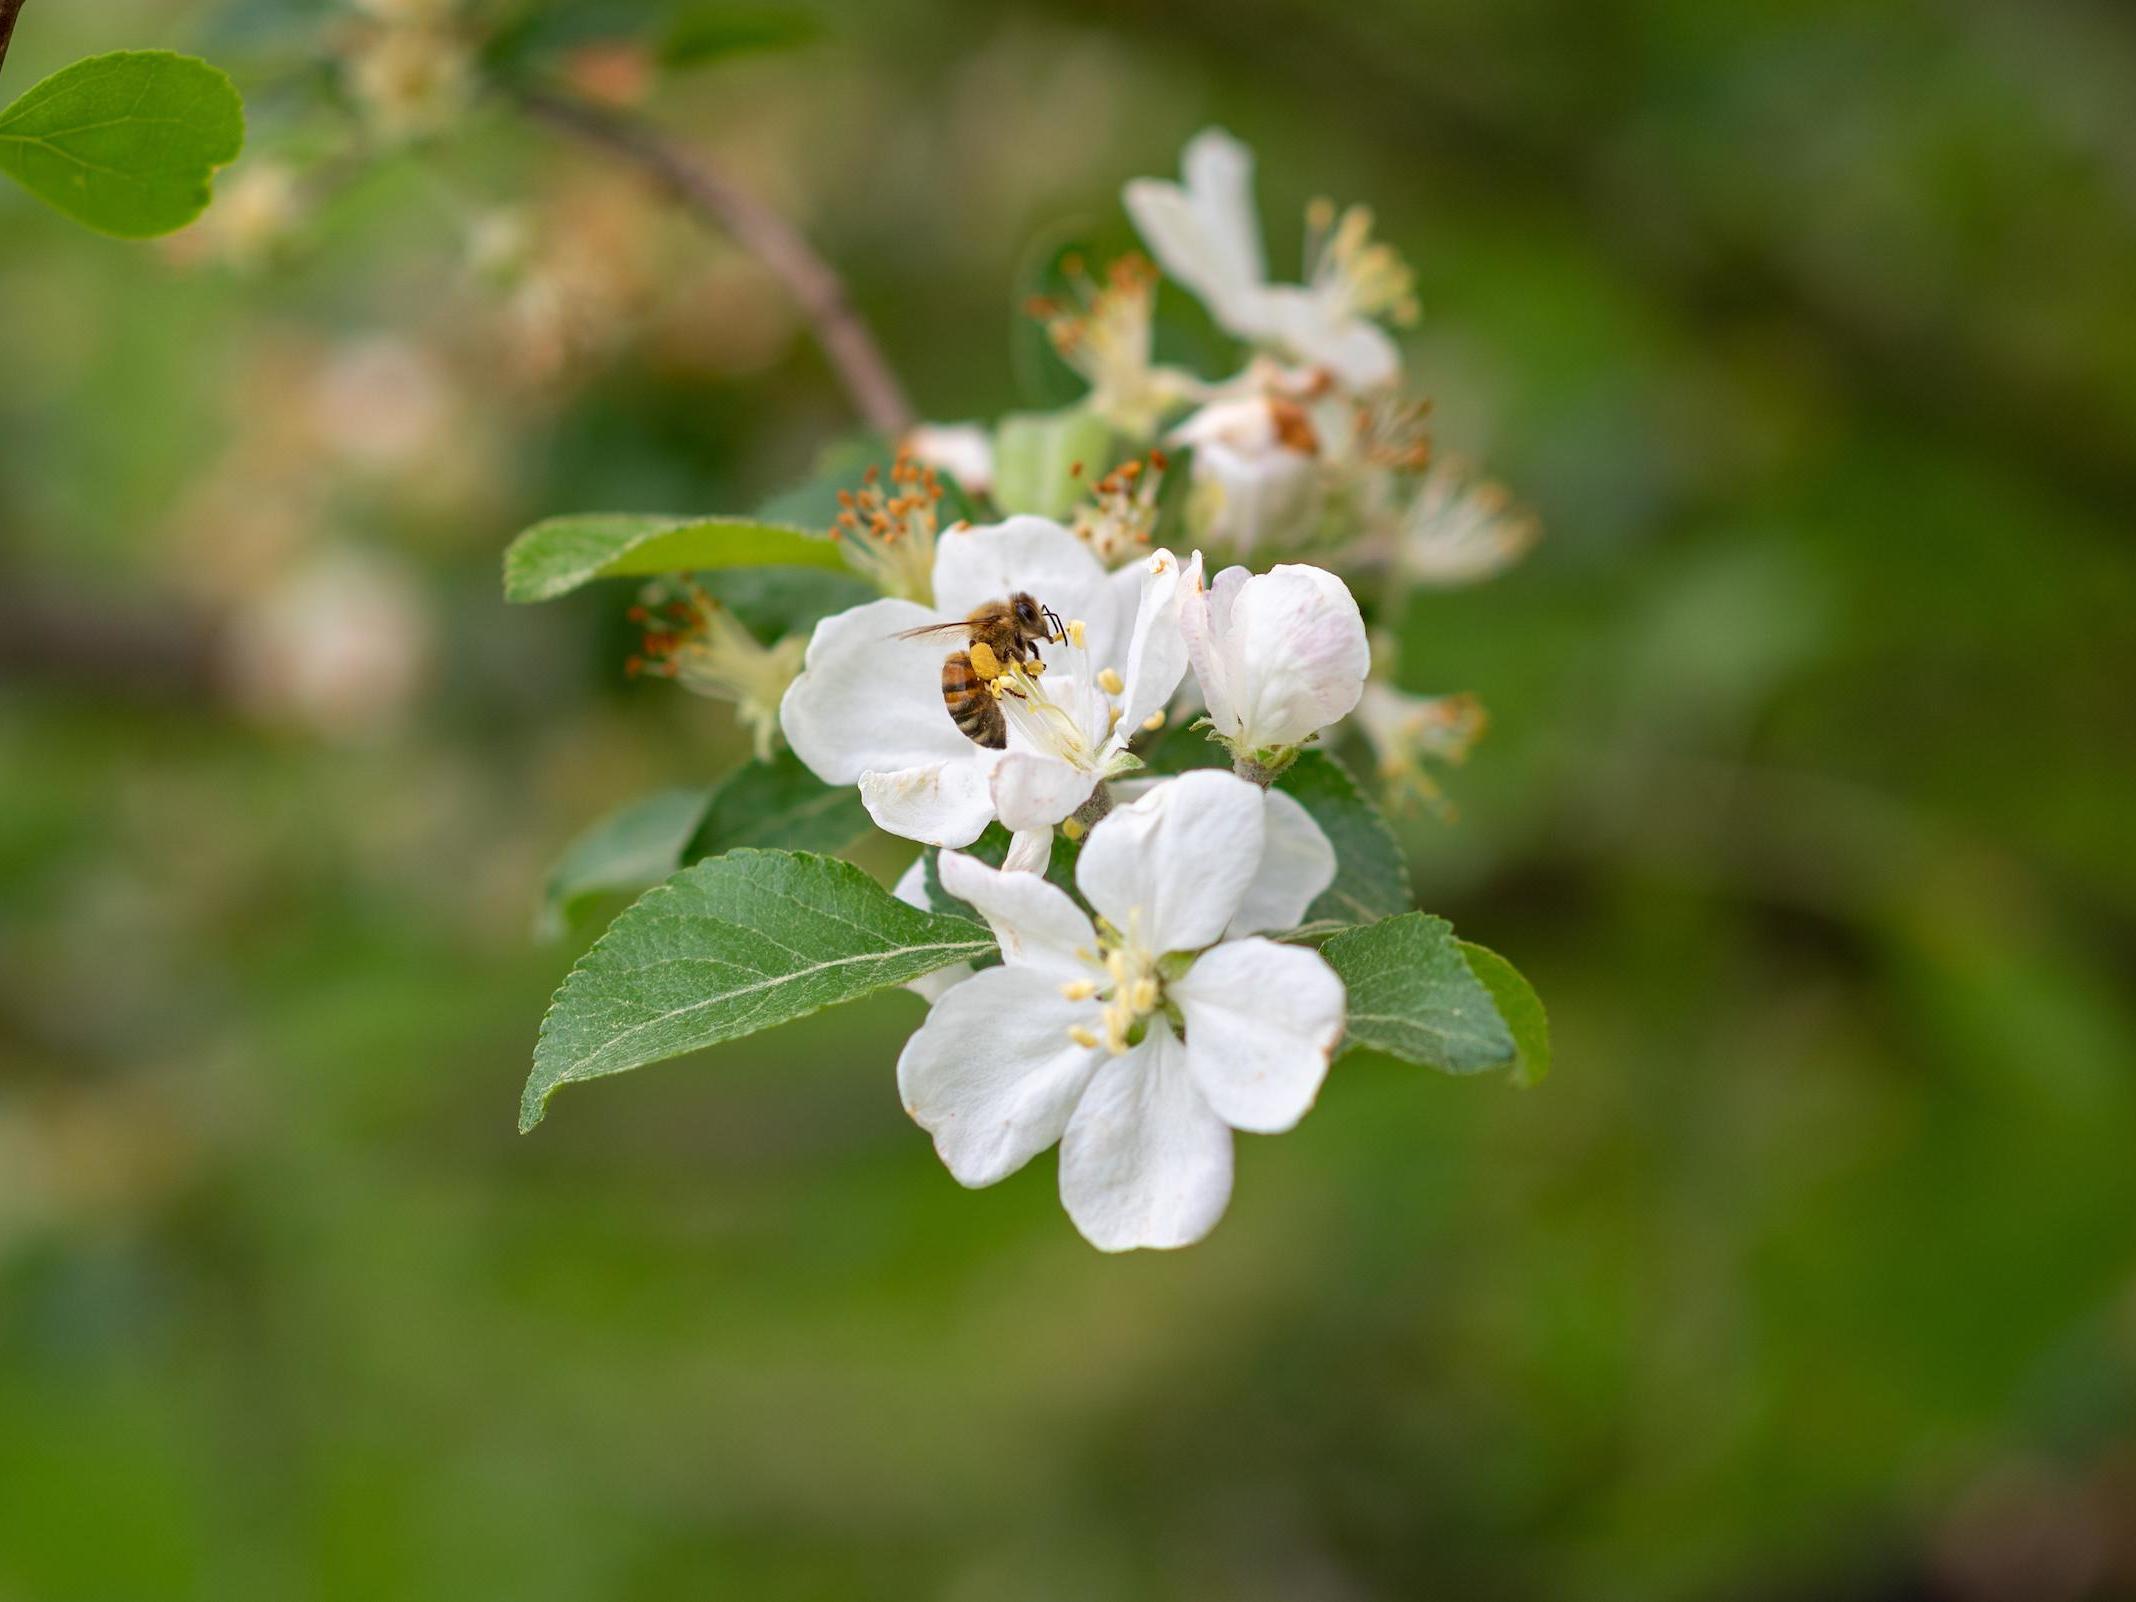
{"points": [[1082, 1037], [1110, 682], [1154, 721], [1077, 634], [1078, 990], [1074, 828]]}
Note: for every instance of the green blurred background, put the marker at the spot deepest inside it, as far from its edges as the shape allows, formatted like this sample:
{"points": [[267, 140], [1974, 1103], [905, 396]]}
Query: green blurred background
{"points": [[1810, 331]]}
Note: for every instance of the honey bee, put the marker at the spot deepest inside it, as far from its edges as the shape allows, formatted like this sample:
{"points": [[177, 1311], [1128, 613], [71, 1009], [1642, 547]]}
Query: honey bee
{"points": [[998, 634]]}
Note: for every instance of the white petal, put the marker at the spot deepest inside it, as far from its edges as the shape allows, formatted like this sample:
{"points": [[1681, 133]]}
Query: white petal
{"points": [[1030, 851], [1295, 653], [911, 888], [1358, 352], [1262, 1021], [942, 803], [992, 1074], [1297, 863], [1174, 866], [1205, 233], [965, 451], [992, 562], [866, 699], [1266, 497], [1035, 792], [1036, 923], [1145, 1161], [1205, 624], [1157, 650]]}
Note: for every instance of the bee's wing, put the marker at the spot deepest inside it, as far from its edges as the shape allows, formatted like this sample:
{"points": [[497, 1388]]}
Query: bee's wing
{"points": [[931, 630]]}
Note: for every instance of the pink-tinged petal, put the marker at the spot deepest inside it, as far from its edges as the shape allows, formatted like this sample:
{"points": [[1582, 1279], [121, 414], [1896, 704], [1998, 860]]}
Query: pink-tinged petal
{"points": [[911, 888], [1360, 353], [1296, 653], [990, 563], [1297, 864], [992, 1074], [1173, 867], [937, 803], [1145, 1160], [866, 699], [1205, 624], [1262, 1020], [1035, 792], [1035, 921]]}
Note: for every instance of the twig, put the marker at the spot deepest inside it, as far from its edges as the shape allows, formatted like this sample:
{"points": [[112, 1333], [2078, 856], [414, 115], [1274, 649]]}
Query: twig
{"points": [[711, 197], [149, 652], [9, 10]]}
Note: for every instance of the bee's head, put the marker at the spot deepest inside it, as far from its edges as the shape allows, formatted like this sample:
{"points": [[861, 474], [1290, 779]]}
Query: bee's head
{"points": [[1030, 616]]}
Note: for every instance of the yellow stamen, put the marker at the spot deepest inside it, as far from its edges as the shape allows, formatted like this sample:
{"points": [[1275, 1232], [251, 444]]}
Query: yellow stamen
{"points": [[1078, 990], [1155, 720], [1077, 633], [1074, 828], [1082, 1037], [1110, 682]]}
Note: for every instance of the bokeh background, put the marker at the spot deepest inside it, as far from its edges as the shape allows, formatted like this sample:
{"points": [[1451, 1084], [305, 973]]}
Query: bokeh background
{"points": [[1809, 329]]}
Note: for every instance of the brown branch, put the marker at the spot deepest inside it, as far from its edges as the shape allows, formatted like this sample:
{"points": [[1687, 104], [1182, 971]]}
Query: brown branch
{"points": [[9, 10], [715, 200], [153, 652]]}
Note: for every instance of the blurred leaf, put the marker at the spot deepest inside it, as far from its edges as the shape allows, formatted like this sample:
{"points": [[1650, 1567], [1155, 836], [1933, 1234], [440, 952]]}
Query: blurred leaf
{"points": [[776, 601], [559, 555], [1036, 454], [1042, 378], [840, 465], [725, 948], [127, 143], [1519, 1006], [697, 35], [1371, 875], [1413, 996], [633, 847], [778, 804]]}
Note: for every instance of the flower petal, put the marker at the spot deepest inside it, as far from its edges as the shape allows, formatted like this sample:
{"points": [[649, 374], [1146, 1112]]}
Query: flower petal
{"points": [[1035, 792], [1297, 863], [1156, 649], [937, 803], [1030, 851], [1262, 1022], [1145, 1161], [992, 1074], [1360, 353], [1295, 653], [1036, 923], [1175, 865], [911, 888], [866, 699], [1205, 624], [1205, 233], [992, 562]]}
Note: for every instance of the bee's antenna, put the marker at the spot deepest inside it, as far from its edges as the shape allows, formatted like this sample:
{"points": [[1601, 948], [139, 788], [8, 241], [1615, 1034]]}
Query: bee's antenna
{"points": [[1060, 631]]}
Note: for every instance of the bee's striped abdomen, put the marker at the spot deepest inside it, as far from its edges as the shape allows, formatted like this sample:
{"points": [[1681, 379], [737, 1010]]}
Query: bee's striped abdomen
{"points": [[971, 704]]}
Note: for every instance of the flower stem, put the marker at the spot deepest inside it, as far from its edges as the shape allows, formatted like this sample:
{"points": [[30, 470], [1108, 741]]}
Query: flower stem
{"points": [[1100, 803], [1257, 772], [714, 199]]}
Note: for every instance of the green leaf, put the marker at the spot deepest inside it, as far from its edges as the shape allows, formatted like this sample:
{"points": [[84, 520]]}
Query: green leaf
{"points": [[701, 34], [1036, 454], [726, 948], [1521, 1008], [1371, 875], [1413, 996], [127, 143], [633, 847], [557, 556], [779, 804], [774, 601]]}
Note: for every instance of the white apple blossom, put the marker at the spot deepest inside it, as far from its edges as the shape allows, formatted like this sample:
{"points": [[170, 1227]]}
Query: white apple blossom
{"points": [[1141, 1042], [1412, 733], [701, 645], [1257, 477], [1457, 530], [867, 707], [1207, 235], [1278, 655]]}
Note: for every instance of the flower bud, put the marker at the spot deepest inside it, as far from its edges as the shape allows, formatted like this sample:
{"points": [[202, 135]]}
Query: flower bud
{"points": [[1279, 656]]}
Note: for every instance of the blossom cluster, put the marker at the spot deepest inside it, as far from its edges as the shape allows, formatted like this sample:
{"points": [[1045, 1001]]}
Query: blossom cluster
{"points": [[1022, 663]]}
